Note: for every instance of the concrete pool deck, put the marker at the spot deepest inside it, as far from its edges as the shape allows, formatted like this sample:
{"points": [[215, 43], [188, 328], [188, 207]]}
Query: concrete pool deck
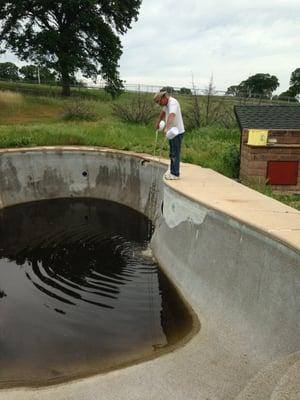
{"points": [[232, 252], [240, 202]]}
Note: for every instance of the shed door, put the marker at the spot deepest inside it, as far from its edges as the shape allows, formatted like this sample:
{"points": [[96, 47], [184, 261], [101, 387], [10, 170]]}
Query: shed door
{"points": [[282, 172]]}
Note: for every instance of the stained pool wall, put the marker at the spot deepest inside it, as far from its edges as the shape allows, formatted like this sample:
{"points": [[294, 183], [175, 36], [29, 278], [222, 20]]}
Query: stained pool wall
{"points": [[243, 284], [30, 175]]}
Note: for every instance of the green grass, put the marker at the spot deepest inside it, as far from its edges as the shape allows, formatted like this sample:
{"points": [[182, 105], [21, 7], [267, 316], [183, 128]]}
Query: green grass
{"points": [[53, 90], [38, 121], [289, 199]]}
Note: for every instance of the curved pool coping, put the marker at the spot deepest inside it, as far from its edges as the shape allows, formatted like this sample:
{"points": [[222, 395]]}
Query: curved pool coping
{"points": [[234, 342]]}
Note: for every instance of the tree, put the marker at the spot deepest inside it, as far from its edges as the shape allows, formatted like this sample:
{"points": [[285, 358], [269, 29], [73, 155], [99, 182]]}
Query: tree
{"points": [[232, 90], [168, 89], [288, 96], [193, 116], [9, 71], [69, 36], [33, 73], [210, 91], [261, 85], [241, 90], [184, 90], [295, 82]]}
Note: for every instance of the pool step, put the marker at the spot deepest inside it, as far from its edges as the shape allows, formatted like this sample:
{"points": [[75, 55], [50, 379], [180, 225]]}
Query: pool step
{"points": [[278, 381]]}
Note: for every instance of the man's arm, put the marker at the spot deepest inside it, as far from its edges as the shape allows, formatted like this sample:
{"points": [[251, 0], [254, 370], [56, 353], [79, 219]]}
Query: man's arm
{"points": [[162, 116], [171, 118]]}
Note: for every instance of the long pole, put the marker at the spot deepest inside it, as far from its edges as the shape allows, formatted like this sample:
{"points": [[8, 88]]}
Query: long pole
{"points": [[38, 74]]}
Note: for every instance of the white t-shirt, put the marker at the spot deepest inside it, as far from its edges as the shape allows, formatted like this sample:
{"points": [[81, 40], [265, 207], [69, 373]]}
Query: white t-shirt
{"points": [[174, 107]]}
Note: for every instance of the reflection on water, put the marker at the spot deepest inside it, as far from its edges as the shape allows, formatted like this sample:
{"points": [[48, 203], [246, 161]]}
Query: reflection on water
{"points": [[78, 293]]}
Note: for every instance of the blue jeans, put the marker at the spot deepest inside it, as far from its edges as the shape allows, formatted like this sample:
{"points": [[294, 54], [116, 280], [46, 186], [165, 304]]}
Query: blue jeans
{"points": [[175, 147]]}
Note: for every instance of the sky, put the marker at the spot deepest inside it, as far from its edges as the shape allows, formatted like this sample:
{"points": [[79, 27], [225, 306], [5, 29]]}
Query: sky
{"points": [[178, 42]]}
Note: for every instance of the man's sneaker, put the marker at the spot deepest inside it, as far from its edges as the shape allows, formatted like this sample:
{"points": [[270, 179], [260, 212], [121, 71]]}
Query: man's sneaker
{"points": [[171, 177]]}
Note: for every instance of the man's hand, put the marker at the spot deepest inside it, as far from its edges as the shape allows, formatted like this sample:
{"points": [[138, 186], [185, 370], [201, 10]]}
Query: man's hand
{"points": [[161, 117]]}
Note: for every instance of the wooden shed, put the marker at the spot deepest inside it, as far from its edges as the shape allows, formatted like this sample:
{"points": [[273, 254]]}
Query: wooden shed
{"points": [[270, 145]]}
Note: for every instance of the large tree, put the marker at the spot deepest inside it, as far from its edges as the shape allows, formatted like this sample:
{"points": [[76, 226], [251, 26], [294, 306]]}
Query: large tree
{"points": [[260, 85], [9, 71], [69, 36], [295, 82], [288, 95]]}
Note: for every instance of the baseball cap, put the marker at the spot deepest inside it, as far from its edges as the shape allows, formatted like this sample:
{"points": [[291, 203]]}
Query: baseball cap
{"points": [[159, 95]]}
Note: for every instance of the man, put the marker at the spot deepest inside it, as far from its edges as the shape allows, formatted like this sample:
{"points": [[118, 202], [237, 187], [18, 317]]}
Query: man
{"points": [[171, 114]]}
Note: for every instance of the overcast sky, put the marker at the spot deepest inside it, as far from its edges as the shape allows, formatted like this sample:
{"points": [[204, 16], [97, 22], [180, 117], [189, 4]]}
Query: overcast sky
{"points": [[227, 39]]}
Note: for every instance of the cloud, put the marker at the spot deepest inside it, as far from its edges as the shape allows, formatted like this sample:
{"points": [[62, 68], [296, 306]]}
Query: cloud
{"points": [[230, 40]]}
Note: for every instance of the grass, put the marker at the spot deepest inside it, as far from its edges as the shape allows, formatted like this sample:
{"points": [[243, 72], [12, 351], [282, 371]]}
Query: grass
{"points": [[289, 199], [28, 120], [10, 99], [16, 108], [52, 90]]}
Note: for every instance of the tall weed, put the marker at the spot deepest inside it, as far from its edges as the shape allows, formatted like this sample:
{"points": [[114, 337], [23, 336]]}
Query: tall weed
{"points": [[79, 110], [140, 109], [10, 99]]}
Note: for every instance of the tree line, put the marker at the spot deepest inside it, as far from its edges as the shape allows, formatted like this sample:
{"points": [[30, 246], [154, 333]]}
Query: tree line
{"points": [[256, 86], [263, 85], [28, 73]]}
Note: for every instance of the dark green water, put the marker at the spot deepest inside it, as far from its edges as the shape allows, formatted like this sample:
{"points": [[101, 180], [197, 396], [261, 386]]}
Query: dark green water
{"points": [[78, 295]]}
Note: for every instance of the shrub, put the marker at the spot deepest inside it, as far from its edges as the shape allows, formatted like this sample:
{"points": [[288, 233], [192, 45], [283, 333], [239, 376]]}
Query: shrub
{"points": [[209, 111], [222, 114], [192, 116], [231, 161], [79, 110], [139, 110]]}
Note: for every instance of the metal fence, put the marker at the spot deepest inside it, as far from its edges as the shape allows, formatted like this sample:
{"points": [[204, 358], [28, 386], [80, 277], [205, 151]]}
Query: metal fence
{"points": [[255, 98], [53, 89]]}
